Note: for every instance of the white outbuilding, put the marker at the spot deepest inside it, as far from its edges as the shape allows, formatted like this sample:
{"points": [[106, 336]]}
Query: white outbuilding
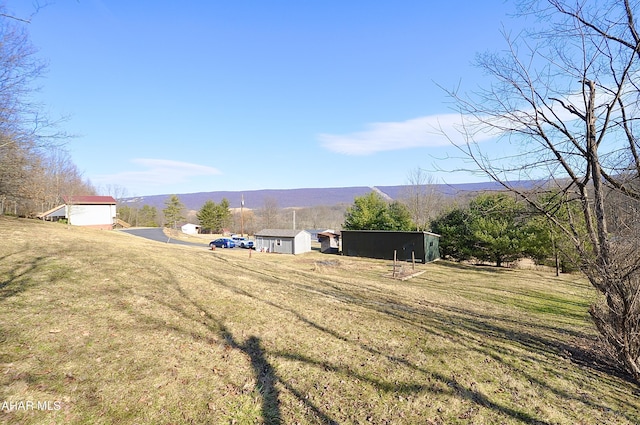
{"points": [[98, 212], [283, 241], [191, 229]]}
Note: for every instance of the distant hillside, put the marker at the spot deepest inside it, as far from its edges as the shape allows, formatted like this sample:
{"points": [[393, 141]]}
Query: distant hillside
{"points": [[301, 198]]}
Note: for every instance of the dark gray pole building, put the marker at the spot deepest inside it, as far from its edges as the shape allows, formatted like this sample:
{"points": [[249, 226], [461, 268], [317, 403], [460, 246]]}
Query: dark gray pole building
{"points": [[424, 246]]}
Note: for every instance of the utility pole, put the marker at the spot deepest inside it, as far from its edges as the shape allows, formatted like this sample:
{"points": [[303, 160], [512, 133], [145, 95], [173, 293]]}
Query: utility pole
{"points": [[242, 215]]}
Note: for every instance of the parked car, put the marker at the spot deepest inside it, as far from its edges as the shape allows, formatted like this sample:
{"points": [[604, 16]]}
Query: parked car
{"points": [[242, 242], [222, 243]]}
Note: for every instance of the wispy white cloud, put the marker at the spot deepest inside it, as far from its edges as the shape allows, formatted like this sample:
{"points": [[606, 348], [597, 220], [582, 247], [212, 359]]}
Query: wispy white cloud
{"points": [[423, 132], [446, 129], [156, 172]]}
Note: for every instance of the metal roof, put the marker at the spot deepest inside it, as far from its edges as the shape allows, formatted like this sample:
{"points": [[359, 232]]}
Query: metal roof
{"points": [[280, 233], [58, 211], [109, 200], [391, 231]]}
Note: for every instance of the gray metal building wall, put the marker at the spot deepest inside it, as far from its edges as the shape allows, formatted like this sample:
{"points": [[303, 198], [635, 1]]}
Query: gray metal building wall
{"points": [[382, 244]]}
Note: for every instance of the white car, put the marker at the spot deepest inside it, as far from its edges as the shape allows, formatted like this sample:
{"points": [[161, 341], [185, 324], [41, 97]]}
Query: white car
{"points": [[242, 242]]}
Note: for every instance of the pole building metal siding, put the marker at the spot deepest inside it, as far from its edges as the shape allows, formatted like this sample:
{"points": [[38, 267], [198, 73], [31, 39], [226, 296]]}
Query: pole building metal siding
{"points": [[382, 244]]}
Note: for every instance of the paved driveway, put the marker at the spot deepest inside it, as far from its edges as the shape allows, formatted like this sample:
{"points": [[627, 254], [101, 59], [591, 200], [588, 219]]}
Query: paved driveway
{"points": [[156, 234]]}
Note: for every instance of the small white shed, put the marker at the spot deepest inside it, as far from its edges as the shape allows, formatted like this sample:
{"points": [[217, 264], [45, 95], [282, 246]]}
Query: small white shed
{"points": [[329, 242], [283, 241], [191, 229]]}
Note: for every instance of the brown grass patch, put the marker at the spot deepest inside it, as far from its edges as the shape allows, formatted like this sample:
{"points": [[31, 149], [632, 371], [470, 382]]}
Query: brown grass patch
{"points": [[117, 329]]}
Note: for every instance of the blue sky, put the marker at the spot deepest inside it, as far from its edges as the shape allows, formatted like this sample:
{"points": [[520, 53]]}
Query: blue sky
{"points": [[192, 96]]}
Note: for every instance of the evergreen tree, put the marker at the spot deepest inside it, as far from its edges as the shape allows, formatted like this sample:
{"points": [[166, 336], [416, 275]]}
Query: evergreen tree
{"points": [[548, 241], [371, 212], [366, 213], [400, 217], [497, 228], [215, 217], [207, 216], [494, 227], [225, 218], [173, 211], [456, 241], [148, 216], [127, 214]]}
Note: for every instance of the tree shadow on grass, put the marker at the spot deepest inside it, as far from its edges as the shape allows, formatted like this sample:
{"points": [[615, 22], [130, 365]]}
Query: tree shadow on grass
{"points": [[21, 277], [457, 325], [456, 388], [264, 375]]}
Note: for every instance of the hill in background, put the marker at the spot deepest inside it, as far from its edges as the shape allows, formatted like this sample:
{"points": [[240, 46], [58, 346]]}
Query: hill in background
{"points": [[301, 198]]}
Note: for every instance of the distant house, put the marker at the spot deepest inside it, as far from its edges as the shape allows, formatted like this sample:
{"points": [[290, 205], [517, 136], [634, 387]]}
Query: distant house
{"points": [[423, 246], [284, 241], [98, 212], [315, 232], [329, 242], [191, 229]]}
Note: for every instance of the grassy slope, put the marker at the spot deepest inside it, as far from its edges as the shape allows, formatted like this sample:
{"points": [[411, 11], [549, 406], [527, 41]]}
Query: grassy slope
{"points": [[123, 330]]}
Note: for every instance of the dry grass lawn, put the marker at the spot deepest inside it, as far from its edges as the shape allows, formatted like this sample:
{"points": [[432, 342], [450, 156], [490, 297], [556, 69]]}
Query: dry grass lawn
{"points": [[109, 328]]}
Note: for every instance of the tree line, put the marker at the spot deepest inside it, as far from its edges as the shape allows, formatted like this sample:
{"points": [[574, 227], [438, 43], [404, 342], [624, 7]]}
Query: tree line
{"points": [[491, 227], [36, 170], [219, 217]]}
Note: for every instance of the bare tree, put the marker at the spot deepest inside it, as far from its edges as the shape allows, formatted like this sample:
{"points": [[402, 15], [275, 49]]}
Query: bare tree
{"points": [[567, 95], [117, 191], [61, 177], [245, 222], [25, 133], [321, 217], [36, 5], [14, 163], [421, 198], [269, 214]]}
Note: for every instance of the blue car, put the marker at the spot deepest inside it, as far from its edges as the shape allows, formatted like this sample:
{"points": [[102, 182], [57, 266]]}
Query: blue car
{"points": [[222, 243]]}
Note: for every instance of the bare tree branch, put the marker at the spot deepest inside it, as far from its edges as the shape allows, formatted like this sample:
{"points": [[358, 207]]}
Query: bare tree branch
{"points": [[568, 95]]}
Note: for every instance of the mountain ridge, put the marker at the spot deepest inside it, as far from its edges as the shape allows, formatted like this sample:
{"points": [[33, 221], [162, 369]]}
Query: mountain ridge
{"points": [[305, 197]]}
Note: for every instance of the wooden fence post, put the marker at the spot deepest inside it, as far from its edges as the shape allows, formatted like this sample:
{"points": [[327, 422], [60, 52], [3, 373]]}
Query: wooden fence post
{"points": [[395, 259]]}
